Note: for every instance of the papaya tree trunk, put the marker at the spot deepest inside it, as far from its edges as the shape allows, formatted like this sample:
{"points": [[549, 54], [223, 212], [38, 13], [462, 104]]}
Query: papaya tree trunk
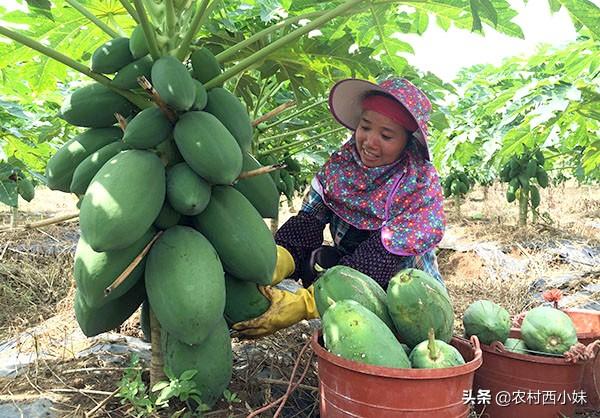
{"points": [[157, 372], [523, 200], [457, 202], [485, 193], [14, 216]]}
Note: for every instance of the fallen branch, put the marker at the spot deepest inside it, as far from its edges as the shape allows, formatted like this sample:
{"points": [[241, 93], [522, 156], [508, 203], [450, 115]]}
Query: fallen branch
{"points": [[285, 382], [44, 222], [291, 386], [131, 266], [81, 391], [95, 409]]}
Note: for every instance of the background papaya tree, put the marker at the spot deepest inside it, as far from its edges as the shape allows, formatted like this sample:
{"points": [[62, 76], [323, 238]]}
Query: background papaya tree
{"points": [[547, 102]]}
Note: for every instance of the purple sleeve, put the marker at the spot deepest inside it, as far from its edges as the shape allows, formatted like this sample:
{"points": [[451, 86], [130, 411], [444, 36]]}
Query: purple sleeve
{"points": [[300, 235], [372, 259]]}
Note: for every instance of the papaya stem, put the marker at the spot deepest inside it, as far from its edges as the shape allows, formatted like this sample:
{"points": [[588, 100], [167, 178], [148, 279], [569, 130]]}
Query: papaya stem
{"points": [[290, 37], [434, 353], [130, 10], [148, 29], [170, 20], [93, 18], [201, 13], [145, 84], [232, 50], [296, 113], [122, 121], [261, 170], [293, 144], [291, 133], [137, 260], [69, 62], [279, 109]]}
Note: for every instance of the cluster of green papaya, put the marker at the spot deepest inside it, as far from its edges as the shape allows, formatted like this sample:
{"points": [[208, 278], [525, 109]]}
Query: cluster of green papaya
{"points": [[409, 326], [170, 168], [457, 183], [519, 171], [545, 330]]}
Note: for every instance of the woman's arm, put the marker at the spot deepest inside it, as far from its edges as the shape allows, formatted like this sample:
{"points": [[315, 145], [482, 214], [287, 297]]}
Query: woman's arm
{"points": [[303, 233], [372, 259]]}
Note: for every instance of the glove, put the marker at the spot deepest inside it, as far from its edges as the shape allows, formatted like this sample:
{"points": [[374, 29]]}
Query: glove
{"points": [[286, 309], [285, 265]]}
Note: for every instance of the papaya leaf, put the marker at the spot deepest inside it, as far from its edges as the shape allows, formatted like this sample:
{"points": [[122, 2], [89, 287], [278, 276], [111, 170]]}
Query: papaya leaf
{"points": [[8, 193], [585, 13]]}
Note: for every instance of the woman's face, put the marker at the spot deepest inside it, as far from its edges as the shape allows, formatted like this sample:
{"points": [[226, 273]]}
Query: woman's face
{"points": [[379, 140]]}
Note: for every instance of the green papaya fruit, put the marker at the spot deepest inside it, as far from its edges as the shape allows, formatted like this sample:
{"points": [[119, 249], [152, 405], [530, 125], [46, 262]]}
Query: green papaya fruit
{"points": [[111, 56], [232, 113], [343, 282], [187, 192], [212, 360], [205, 66], [542, 177], [95, 271], [126, 77], [510, 196], [147, 129], [25, 188], [87, 169], [94, 321], [515, 345], [488, 320], [208, 147], [173, 83], [138, 46], [185, 284], [167, 218], [123, 200], [94, 106], [548, 330], [62, 165], [434, 354], [259, 190], [243, 300], [534, 196], [241, 237], [531, 168], [168, 152], [353, 332], [201, 96], [417, 302]]}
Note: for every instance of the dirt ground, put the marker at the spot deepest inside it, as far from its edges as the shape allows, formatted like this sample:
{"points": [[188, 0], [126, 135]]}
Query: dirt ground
{"points": [[36, 291]]}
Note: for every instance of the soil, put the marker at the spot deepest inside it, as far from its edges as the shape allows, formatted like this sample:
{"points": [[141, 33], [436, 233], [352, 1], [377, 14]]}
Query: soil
{"points": [[36, 292]]}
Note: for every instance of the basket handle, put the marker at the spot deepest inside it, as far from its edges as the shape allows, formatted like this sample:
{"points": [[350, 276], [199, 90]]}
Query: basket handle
{"points": [[476, 346], [498, 346]]}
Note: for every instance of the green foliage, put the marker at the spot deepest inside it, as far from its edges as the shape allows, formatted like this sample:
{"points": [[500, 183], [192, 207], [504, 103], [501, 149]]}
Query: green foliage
{"points": [[133, 391], [547, 101]]}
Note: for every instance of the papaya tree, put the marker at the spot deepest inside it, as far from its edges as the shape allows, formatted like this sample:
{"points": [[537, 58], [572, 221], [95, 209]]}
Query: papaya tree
{"points": [[522, 172], [162, 143], [456, 185]]}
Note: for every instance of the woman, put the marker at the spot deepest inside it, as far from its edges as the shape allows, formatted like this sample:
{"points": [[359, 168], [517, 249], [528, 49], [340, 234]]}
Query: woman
{"points": [[379, 193]]}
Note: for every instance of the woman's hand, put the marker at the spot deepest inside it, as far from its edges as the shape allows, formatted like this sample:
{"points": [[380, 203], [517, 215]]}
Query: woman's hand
{"points": [[286, 309]]}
